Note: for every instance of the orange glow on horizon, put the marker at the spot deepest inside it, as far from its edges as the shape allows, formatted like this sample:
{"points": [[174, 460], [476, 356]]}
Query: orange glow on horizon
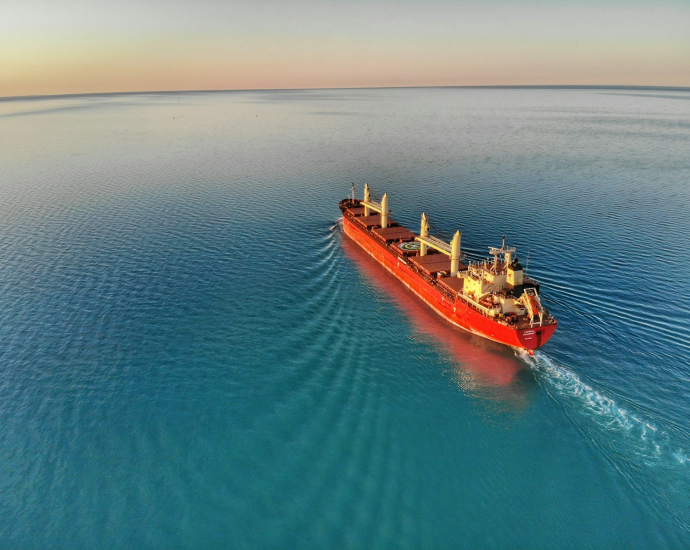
{"points": [[338, 47]]}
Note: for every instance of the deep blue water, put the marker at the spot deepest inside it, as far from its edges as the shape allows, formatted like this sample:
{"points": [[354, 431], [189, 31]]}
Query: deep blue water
{"points": [[192, 355]]}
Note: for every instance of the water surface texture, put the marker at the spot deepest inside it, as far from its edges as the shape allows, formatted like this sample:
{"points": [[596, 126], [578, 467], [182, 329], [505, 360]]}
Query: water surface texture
{"points": [[192, 354]]}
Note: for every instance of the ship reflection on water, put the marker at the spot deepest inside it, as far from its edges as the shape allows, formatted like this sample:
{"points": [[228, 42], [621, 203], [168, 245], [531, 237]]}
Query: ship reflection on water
{"points": [[480, 367]]}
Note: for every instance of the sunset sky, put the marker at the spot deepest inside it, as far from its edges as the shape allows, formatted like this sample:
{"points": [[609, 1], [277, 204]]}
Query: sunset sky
{"points": [[79, 46]]}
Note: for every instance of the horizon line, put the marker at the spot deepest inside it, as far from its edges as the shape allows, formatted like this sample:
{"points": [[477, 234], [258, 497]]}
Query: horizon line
{"points": [[241, 90]]}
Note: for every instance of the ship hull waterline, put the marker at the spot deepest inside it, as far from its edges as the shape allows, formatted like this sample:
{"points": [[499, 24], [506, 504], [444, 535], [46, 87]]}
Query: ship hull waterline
{"points": [[456, 312]]}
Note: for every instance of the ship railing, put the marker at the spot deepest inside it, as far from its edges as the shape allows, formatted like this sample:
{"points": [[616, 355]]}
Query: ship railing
{"points": [[477, 306], [431, 280], [468, 302]]}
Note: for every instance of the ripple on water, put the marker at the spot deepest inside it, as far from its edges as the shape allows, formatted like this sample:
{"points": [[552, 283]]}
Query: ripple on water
{"points": [[190, 354]]}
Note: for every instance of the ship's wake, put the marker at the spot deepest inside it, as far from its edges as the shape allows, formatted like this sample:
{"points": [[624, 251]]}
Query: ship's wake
{"points": [[652, 443], [628, 439]]}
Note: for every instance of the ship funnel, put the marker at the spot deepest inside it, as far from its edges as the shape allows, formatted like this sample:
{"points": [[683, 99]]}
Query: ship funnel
{"points": [[384, 211], [455, 254], [423, 232], [367, 198]]}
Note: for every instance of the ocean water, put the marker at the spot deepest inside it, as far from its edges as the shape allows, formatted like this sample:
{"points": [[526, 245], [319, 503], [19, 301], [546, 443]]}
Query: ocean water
{"points": [[192, 354]]}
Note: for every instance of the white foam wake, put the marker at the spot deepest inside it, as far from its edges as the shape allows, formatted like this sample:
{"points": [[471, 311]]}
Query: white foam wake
{"points": [[649, 456], [625, 431]]}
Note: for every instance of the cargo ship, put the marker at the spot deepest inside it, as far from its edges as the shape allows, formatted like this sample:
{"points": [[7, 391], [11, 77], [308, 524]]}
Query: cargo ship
{"points": [[493, 298]]}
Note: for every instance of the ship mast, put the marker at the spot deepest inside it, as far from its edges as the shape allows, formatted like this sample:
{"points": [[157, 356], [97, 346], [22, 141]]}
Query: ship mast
{"points": [[506, 251], [423, 232], [367, 198], [455, 254]]}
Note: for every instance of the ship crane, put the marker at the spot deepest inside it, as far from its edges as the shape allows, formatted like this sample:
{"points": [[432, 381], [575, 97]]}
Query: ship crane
{"points": [[381, 207], [452, 249]]}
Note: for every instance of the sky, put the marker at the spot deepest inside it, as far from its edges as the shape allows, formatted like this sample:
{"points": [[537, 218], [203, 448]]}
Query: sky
{"points": [[80, 46]]}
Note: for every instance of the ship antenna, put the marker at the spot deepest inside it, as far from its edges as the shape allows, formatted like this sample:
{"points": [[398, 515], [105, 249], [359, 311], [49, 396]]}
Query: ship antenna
{"points": [[353, 190], [503, 246]]}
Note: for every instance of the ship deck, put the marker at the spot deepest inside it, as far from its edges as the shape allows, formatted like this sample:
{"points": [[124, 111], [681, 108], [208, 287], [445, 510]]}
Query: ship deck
{"points": [[454, 284], [431, 264], [372, 221], [394, 234]]}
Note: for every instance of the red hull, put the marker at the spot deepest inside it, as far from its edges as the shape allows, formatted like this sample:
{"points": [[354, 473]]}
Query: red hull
{"points": [[456, 311]]}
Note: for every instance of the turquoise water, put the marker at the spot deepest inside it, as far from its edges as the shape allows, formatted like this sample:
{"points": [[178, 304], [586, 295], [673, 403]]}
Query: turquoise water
{"points": [[192, 355]]}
